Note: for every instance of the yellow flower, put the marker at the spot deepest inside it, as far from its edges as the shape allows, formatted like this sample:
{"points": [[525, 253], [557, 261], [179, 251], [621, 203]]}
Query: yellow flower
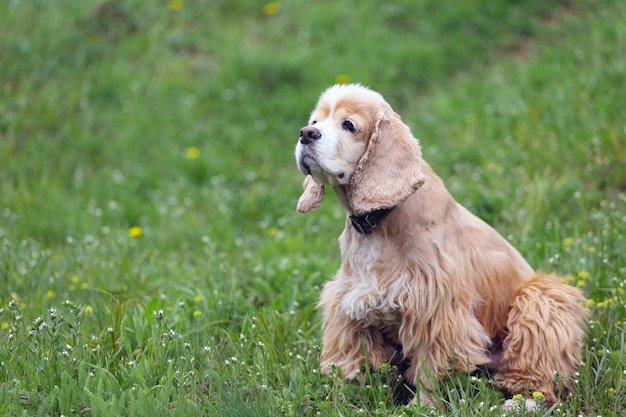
{"points": [[271, 9], [342, 79], [590, 249], [517, 397], [568, 241], [610, 390], [192, 152], [607, 302], [590, 303], [197, 313], [4, 325], [584, 275], [198, 299], [538, 396], [75, 280], [176, 5], [88, 309], [135, 231], [84, 286], [49, 295], [71, 287], [272, 231]]}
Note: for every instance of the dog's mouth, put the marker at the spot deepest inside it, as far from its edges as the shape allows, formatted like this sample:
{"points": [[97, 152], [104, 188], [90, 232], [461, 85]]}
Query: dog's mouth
{"points": [[307, 162], [305, 168]]}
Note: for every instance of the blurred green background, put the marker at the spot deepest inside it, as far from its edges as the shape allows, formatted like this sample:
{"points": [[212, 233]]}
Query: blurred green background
{"points": [[146, 166]]}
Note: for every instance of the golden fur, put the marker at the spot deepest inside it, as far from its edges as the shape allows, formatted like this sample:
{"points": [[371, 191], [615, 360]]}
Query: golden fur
{"points": [[433, 283]]}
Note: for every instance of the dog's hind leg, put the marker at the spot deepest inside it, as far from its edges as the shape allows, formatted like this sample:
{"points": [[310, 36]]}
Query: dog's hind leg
{"points": [[545, 337]]}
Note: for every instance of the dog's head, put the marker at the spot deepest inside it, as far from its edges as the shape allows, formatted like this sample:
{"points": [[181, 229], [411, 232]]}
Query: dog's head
{"points": [[355, 139]]}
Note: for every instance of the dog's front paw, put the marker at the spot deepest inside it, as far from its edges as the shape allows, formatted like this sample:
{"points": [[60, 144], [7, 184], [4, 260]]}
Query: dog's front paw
{"points": [[424, 400], [331, 368], [516, 405]]}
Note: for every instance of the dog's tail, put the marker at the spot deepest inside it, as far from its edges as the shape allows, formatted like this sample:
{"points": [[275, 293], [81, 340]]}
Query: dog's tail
{"points": [[544, 343]]}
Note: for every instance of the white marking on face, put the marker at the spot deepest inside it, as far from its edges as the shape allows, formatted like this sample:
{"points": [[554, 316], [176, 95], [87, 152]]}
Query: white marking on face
{"points": [[332, 158]]}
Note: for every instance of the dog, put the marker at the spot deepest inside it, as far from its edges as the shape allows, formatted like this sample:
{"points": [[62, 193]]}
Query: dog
{"points": [[421, 277]]}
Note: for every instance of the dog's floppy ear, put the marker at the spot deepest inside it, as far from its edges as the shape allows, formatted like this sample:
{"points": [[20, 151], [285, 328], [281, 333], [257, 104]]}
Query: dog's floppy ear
{"points": [[312, 196], [390, 170]]}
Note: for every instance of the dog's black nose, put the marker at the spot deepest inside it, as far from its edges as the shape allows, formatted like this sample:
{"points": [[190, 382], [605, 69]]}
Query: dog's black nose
{"points": [[309, 134]]}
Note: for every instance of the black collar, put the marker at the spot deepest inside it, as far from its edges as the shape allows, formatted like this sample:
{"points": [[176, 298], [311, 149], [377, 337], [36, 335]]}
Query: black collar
{"points": [[366, 223]]}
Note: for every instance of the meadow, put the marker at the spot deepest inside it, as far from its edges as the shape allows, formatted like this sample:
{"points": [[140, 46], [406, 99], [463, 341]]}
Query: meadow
{"points": [[151, 259]]}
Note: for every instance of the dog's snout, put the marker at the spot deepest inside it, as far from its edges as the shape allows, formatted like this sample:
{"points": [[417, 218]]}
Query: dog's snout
{"points": [[309, 134]]}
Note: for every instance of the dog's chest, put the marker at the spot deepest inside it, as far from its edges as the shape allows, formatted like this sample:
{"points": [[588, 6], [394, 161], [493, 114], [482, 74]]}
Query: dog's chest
{"points": [[370, 306], [373, 286]]}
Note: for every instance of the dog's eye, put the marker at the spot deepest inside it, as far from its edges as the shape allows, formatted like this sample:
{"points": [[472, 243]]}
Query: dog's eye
{"points": [[313, 122], [349, 126]]}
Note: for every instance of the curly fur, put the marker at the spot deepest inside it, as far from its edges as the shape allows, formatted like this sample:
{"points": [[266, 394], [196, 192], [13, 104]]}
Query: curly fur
{"points": [[433, 282]]}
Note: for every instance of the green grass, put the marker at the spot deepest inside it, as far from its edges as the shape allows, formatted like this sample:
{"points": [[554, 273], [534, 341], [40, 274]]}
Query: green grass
{"points": [[211, 311]]}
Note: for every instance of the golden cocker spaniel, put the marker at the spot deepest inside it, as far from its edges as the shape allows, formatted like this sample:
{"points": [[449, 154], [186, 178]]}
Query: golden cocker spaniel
{"points": [[421, 277]]}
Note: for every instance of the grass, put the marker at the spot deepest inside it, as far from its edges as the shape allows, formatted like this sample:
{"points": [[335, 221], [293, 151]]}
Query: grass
{"points": [[151, 261]]}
